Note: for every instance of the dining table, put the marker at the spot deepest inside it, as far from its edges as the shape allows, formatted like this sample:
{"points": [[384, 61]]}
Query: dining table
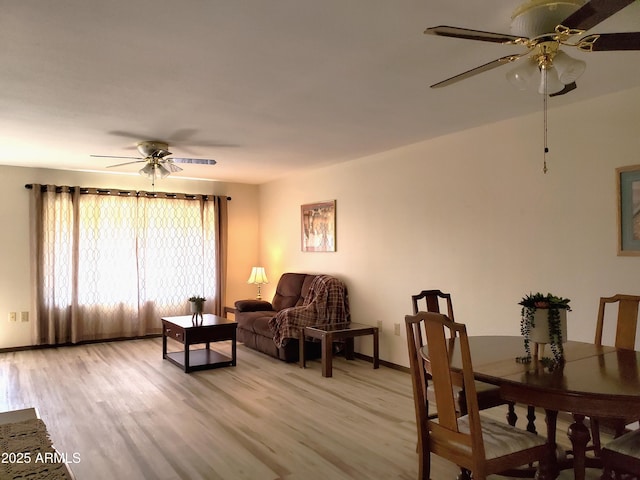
{"points": [[594, 381]]}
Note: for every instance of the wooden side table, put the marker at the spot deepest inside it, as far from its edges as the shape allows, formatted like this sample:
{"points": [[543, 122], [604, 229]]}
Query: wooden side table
{"points": [[333, 333], [211, 328]]}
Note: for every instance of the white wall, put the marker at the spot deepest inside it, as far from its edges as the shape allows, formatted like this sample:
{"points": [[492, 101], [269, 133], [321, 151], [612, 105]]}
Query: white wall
{"points": [[14, 234], [472, 214], [469, 213]]}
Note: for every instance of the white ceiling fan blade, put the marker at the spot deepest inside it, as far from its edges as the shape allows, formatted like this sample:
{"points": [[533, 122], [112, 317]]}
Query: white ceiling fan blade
{"points": [[126, 163], [113, 156], [200, 161]]}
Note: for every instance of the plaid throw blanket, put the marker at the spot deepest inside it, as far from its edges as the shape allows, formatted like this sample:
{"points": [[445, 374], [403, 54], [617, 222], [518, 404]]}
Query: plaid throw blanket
{"points": [[326, 303]]}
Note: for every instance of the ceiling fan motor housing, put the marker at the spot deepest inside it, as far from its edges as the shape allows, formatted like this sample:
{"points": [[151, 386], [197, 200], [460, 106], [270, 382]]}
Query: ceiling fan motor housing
{"points": [[153, 149], [538, 17]]}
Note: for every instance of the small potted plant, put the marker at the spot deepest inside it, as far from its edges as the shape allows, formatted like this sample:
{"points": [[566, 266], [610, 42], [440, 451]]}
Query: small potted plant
{"points": [[543, 319], [197, 304]]}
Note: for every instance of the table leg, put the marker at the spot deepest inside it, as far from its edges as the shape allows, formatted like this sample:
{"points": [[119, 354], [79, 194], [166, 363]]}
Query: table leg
{"points": [[349, 348], [549, 467], [233, 348], [327, 355], [512, 416], [531, 419], [302, 359], [579, 435], [186, 356], [376, 349], [164, 343]]}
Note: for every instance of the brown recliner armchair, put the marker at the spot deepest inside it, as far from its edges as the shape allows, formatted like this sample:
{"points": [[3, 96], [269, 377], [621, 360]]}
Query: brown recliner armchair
{"points": [[253, 318]]}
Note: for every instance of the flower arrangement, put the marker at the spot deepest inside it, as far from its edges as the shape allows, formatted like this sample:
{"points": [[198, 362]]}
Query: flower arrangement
{"points": [[553, 304], [196, 299]]}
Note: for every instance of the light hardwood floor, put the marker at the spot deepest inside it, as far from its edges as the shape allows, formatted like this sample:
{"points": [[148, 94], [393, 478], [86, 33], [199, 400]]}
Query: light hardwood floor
{"points": [[131, 415]]}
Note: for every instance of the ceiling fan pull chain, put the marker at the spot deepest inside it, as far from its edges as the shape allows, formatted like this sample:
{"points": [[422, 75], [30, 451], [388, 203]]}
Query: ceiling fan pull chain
{"points": [[544, 108]]}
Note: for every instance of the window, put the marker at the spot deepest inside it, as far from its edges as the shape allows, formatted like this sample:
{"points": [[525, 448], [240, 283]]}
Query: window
{"points": [[110, 264]]}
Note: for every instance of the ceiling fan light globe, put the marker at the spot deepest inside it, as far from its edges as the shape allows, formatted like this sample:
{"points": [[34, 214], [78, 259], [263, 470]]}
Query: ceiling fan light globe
{"points": [[549, 82], [568, 68], [147, 171], [161, 171], [520, 77], [172, 167]]}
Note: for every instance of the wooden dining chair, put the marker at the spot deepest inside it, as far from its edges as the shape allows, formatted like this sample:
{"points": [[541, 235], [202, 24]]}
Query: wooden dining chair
{"points": [[488, 395], [432, 302], [625, 337], [627, 323], [477, 444], [621, 457]]}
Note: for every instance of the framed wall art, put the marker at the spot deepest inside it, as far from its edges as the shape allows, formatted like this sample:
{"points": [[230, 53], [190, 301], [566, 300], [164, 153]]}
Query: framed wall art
{"points": [[318, 226], [628, 186]]}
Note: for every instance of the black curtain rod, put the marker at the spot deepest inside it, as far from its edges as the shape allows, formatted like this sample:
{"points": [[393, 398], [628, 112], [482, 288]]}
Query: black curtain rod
{"points": [[106, 191]]}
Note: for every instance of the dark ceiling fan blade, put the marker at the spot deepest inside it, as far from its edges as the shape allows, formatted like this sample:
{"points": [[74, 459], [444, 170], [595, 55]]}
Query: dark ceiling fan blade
{"points": [[567, 88], [610, 41], [126, 163], [594, 12], [457, 32], [112, 156], [474, 71], [133, 135], [183, 137], [201, 161]]}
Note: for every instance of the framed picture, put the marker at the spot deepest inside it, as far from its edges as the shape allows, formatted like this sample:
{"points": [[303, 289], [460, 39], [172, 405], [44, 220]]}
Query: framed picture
{"points": [[628, 186], [318, 226]]}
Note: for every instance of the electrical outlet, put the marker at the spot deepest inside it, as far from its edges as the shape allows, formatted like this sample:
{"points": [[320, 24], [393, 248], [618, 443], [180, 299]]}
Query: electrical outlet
{"points": [[396, 329], [24, 316], [13, 316]]}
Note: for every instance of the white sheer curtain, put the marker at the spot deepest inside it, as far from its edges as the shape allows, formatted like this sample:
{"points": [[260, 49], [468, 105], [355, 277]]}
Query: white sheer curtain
{"points": [[110, 265]]}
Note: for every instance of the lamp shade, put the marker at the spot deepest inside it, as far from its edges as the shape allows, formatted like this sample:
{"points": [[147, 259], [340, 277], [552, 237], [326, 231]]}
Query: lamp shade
{"points": [[258, 276]]}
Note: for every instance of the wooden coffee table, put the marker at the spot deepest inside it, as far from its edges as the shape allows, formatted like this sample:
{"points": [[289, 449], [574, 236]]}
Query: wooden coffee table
{"points": [[333, 333], [190, 330]]}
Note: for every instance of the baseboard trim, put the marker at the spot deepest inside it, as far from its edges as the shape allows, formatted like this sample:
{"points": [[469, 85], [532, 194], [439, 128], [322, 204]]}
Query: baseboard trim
{"points": [[361, 356], [394, 366], [69, 344]]}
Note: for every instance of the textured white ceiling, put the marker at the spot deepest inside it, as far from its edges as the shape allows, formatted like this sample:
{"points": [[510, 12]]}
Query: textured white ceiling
{"points": [[264, 87]]}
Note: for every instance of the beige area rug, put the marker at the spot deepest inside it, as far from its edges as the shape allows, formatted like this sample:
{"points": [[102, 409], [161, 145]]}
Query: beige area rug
{"points": [[27, 452]]}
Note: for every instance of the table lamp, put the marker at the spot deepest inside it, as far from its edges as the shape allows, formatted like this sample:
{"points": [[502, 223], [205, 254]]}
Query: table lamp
{"points": [[258, 277]]}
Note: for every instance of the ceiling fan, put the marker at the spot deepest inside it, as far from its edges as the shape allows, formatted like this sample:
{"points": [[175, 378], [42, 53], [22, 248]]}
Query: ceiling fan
{"points": [[155, 154], [544, 27]]}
